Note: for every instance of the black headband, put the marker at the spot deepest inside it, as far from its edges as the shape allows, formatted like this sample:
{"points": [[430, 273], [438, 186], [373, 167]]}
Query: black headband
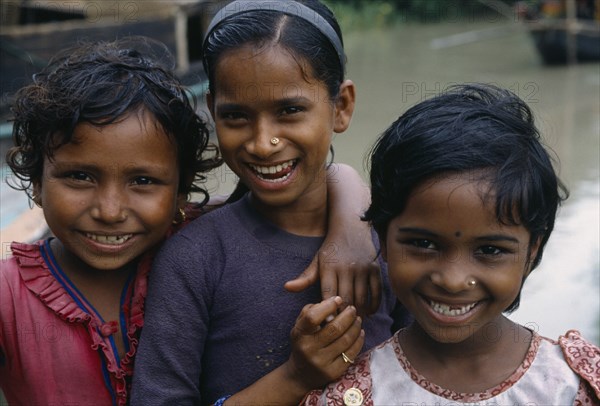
{"points": [[289, 7]]}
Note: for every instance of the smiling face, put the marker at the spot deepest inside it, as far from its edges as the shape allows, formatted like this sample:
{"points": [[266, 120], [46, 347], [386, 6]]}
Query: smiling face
{"points": [[446, 237], [275, 123], [111, 194]]}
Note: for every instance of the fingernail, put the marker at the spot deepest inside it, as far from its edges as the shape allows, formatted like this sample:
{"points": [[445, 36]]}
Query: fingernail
{"points": [[338, 300], [329, 318]]}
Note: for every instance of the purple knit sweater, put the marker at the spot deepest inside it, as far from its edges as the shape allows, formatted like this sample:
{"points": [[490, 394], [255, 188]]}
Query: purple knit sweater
{"points": [[217, 315]]}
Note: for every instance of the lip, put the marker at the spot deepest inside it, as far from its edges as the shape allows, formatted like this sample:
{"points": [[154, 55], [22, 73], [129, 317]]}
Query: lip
{"points": [[108, 242], [272, 176], [446, 311]]}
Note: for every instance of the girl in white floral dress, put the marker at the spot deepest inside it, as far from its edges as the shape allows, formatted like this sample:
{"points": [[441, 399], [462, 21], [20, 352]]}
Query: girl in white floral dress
{"points": [[464, 198]]}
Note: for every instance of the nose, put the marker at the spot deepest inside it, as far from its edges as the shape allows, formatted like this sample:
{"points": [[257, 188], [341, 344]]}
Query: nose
{"points": [[109, 205], [260, 143], [453, 273]]}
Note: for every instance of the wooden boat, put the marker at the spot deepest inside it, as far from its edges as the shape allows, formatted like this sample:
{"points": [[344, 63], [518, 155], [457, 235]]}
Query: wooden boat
{"points": [[33, 31], [565, 31]]}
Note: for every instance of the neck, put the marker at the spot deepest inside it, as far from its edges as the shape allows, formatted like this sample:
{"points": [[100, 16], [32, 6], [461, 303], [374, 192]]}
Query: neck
{"points": [[306, 216], [485, 340], [485, 359]]}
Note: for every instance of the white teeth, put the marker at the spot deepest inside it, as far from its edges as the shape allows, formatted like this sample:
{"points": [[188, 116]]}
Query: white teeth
{"points": [[109, 239], [271, 170], [446, 310]]}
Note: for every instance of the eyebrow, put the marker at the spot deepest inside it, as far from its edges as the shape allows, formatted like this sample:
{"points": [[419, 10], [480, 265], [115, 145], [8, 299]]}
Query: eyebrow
{"points": [[417, 230], [498, 237], [127, 167], [279, 102], [428, 233]]}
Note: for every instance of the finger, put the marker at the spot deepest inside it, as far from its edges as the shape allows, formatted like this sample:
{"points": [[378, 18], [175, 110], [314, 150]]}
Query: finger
{"points": [[353, 351], [345, 286], [361, 292], [376, 287], [336, 328], [329, 280], [350, 344], [305, 279], [312, 316]]}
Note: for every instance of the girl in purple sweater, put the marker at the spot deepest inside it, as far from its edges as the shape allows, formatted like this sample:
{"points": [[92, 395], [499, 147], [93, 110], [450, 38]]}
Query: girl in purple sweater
{"points": [[219, 318]]}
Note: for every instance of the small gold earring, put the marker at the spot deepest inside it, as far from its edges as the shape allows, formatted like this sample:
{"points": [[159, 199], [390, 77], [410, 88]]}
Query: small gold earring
{"points": [[36, 200], [182, 217]]}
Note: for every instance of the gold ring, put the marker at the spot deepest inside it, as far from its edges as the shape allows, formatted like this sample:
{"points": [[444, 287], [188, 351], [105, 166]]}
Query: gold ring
{"points": [[347, 359]]}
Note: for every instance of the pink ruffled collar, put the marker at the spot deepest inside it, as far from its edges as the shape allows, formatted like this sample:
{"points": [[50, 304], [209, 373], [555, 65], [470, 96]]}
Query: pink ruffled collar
{"points": [[38, 278]]}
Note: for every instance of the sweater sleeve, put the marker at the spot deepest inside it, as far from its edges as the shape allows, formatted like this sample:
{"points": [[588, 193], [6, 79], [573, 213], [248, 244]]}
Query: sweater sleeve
{"points": [[168, 364]]}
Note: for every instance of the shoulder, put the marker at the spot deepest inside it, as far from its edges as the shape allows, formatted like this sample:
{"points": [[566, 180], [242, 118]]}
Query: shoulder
{"points": [[199, 245], [22, 257], [583, 358], [214, 220]]}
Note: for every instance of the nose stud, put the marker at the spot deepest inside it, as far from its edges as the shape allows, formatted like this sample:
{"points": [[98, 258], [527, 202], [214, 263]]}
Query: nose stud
{"points": [[274, 140], [472, 282]]}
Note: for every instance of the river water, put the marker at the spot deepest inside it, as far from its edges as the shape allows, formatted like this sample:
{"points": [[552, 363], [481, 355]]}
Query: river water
{"points": [[395, 68]]}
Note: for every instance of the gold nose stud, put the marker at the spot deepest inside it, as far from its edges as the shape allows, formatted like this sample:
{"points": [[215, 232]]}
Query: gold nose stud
{"points": [[274, 140]]}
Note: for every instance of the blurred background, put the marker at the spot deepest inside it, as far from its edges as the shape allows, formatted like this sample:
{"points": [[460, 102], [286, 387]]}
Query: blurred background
{"points": [[399, 53]]}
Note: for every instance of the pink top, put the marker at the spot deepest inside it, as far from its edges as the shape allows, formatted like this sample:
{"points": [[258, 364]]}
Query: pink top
{"points": [[54, 347]]}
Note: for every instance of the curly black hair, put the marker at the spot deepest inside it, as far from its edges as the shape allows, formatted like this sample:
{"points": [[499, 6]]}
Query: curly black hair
{"points": [[99, 83]]}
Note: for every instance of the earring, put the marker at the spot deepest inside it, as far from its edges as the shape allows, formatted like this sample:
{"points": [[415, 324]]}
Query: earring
{"points": [[274, 140], [36, 200], [182, 217]]}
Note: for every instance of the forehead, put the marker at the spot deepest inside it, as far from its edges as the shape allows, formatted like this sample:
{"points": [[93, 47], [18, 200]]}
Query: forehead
{"points": [[464, 202], [137, 136], [254, 71]]}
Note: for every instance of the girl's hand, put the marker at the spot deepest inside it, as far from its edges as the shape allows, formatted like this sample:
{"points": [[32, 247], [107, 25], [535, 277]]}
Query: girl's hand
{"points": [[317, 346], [346, 262], [316, 357]]}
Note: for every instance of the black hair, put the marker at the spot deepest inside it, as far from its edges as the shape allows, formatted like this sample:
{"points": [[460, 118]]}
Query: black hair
{"points": [[99, 83], [266, 27], [470, 127]]}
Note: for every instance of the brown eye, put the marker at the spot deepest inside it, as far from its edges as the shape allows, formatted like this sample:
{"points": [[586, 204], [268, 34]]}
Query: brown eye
{"points": [[143, 180], [78, 176], [422, 243]]}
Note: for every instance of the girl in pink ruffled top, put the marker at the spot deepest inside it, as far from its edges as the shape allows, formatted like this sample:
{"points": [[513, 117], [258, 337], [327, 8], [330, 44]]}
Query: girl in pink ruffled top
{"points": [[464, 199], [108, 143]]}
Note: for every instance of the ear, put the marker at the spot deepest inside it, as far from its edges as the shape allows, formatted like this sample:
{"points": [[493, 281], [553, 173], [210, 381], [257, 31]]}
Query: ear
{"points": [[344, 106], [210, 104]]}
